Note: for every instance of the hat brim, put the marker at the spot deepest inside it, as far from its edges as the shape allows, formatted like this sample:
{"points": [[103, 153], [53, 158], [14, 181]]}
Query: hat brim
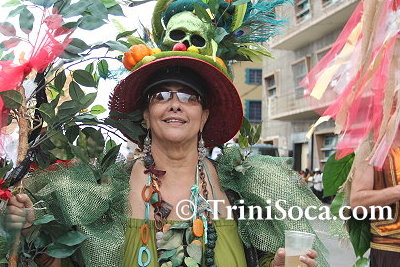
{"points": [[224, 104]]}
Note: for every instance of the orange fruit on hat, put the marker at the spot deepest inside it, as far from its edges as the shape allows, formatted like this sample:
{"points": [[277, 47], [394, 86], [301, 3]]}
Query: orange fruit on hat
{"points": [[140, 51], [128, 60]]}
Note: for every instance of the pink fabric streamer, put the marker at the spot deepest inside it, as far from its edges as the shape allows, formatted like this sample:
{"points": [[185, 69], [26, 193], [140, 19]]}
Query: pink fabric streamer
{"points": [[45, 51], [359, 106]]}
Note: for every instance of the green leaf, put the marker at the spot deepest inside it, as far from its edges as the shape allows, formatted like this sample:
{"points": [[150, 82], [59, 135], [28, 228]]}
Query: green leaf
{"points": [[194, 252], [26, 20], [124, 34], [132, 130], [72, 238], [16, 11], [190, 262], [55, 100], [91, 22], [97, 109], [213, 5], [75, 91], [7, 29], [4, 170], [202, 13], [87, 119], [11, 3], [42, 240], [76, 46], [335, 173], [109, 3], [220, 34], [68, 55], [61, 5], [116, 11], [84, 78], [110, 144], [68, 109], [9, 56], [171, 240], [72, 133], [80, 153], [88, 99], [110, 158], [243, 142], [166, 255], [360, 235], [90, 68], [102, 67], [43, 3], [59, 81], [115, 45], [60, 251], [63, 153], [12, 99], [75, 9], [337, 203], [97, 9], [245, 128], [362, 262], [95, 141], [44, 219], [47, 111], [240, 2]]}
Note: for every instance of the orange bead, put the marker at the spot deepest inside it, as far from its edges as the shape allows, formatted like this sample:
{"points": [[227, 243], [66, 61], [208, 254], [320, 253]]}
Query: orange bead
{"points": [[149, 190], [197, 242], [128, 60], [144, 233], [198, 228]]}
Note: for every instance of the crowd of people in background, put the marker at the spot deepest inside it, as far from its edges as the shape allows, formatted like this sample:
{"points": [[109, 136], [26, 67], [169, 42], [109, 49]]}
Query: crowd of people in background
{"points": [[314, 181]]}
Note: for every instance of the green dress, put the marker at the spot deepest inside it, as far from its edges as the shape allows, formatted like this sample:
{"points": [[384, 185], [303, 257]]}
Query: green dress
{"points": [[228, 251]]}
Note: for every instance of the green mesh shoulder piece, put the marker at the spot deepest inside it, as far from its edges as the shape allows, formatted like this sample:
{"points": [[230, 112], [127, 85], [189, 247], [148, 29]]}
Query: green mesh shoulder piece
{"points": [[268, 178], [74, 196]]}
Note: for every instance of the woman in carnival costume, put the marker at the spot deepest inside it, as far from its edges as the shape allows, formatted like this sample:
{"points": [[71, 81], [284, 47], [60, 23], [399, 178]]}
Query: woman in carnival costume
{"points": [[183, 90], [362, 70]]}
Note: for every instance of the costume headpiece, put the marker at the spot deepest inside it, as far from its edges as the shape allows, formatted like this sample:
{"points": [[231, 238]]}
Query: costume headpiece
{"points": [[200, 36]]}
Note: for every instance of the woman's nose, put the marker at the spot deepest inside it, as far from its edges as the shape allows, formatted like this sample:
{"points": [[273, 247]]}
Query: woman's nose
{"points": [[175, 103]]}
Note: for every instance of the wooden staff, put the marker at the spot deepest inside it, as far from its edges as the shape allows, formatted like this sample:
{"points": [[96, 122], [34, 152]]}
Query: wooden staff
{"points": [[23, 147]]}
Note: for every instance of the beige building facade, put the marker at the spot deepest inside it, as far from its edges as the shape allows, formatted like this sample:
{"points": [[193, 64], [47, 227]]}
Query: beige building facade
{"points": [[248, 81], [287, 112]]}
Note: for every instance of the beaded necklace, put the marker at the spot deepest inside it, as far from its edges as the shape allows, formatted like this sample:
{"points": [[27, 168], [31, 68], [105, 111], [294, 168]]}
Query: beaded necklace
{"points": [[178, 244]]}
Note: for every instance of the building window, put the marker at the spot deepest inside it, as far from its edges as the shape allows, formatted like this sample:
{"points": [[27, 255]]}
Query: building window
{"points": [[270, 85], [300, 70], [322, 52], [302, 10], [254, 76], [253, 110], [329, 146]]}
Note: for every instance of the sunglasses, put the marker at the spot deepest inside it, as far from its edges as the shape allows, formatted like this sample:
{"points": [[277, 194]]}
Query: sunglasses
{"points": [[165, 96]]}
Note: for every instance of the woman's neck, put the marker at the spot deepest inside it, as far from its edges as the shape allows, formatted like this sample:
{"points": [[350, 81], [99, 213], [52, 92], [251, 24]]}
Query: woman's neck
{"points": [[177, 160]]}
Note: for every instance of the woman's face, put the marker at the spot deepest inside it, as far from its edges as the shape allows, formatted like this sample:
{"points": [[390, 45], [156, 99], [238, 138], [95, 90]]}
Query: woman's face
{"points": [[174, 120]]}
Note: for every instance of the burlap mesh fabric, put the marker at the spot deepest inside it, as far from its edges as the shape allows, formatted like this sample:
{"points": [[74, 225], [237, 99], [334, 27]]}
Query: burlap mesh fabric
{"points": [[76, 198], [269, 178]]}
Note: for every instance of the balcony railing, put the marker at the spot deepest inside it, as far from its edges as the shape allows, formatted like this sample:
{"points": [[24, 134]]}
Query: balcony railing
{"points": [[288, 106]]}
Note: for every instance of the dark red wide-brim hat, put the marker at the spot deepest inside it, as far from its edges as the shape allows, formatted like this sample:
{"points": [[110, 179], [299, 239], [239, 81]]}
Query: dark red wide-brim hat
{"points": [[224, 104]]}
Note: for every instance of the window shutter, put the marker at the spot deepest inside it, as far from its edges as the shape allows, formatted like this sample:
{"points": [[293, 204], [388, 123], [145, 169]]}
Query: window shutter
{"points": [[247, 109], [247, 81]]}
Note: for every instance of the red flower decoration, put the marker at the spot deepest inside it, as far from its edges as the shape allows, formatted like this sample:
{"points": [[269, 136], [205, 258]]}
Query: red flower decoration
{"points": [[2, 182], [5, 194]]}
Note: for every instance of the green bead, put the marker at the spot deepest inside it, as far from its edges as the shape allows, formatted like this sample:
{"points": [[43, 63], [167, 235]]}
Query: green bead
{"points": [[211, 230], [212, 237], [209, 261], [209, 253], [210, 244]]}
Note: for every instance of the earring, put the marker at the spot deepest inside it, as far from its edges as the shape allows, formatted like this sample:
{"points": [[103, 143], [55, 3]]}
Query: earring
{"points": [[203, 152], [147, 143]]}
